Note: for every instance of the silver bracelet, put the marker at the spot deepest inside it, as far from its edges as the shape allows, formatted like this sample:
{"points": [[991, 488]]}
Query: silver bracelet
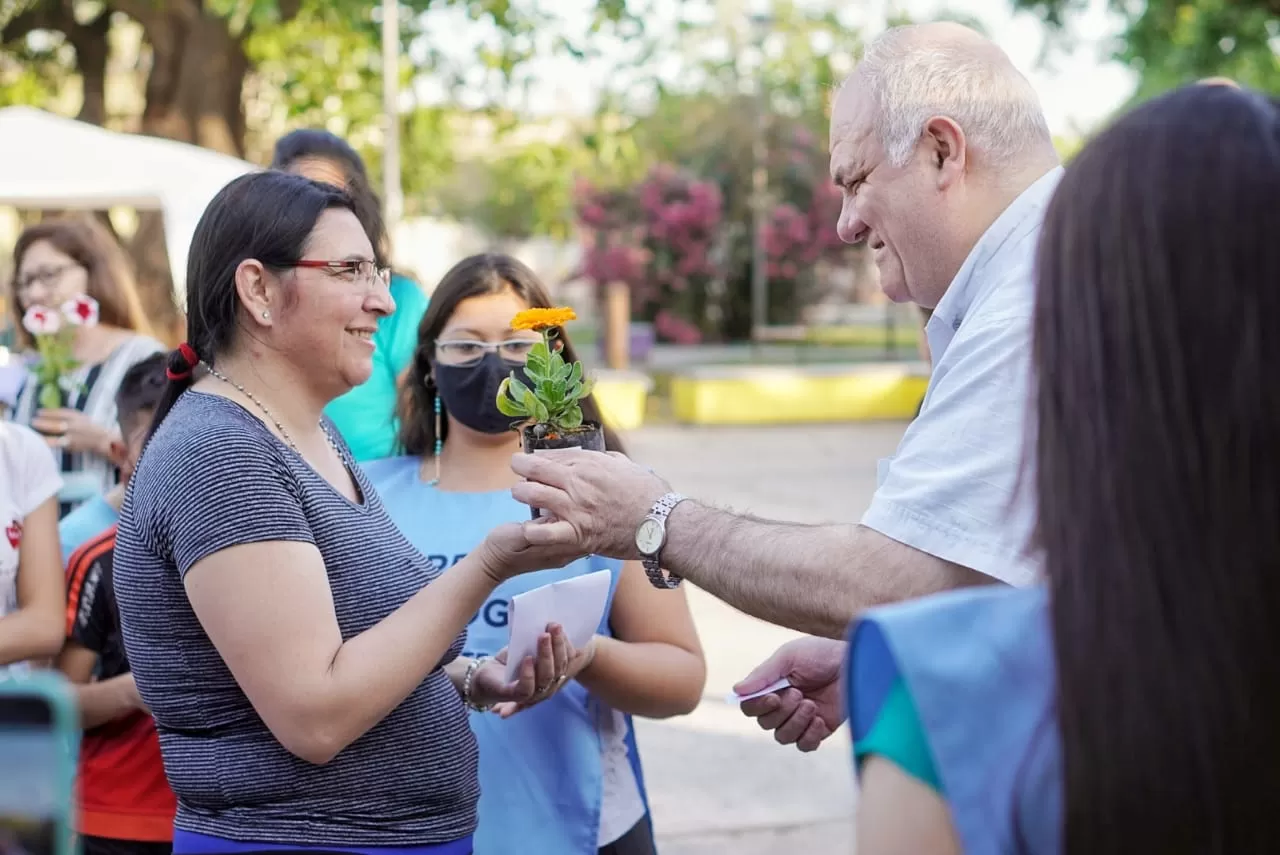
{"points": [[467, 679]]}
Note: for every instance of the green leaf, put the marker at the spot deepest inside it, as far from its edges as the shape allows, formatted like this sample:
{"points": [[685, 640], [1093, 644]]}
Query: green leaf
{"points": [[520, 392], [541, 414], [511, 400], [550, 392], [571, 418], [538, 371], [538, 366], [507, 406]]}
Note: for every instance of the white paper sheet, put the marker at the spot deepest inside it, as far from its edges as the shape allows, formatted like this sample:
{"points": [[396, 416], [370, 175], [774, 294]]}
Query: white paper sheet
{"points": [[734, 699], [576, 604]]}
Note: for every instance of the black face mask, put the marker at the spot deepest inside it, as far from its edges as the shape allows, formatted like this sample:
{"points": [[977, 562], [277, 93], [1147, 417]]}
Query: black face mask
{"points": [[470, 392]]}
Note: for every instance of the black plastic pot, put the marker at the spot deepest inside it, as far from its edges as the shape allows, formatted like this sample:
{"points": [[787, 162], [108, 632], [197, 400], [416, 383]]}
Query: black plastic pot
{"points": [[589, 437]]}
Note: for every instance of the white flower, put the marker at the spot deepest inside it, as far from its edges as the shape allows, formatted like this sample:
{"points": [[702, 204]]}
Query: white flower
{"points": [[82, 311], [41, 320]]}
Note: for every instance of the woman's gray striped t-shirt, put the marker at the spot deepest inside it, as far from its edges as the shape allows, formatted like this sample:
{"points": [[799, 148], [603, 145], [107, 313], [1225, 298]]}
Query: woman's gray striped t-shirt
{"points": [[212, 477]]}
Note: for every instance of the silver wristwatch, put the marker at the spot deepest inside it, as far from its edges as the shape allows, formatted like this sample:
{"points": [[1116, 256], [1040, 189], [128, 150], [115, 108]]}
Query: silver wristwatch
{"points": [[652, 535]]}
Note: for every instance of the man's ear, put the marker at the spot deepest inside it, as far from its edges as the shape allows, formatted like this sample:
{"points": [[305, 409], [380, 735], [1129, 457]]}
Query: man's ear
{"points": [[947, 148]]}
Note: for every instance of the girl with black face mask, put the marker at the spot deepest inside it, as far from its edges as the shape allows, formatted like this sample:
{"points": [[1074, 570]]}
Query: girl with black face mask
{"points": [[559, 777]]}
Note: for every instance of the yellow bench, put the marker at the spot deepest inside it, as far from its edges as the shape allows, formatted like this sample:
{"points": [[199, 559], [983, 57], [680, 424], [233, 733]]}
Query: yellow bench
{"points": [[622, 397], [724, 395]]}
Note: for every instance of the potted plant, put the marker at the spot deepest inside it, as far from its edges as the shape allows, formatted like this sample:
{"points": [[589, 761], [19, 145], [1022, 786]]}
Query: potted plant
{"points": [[548, 400]]}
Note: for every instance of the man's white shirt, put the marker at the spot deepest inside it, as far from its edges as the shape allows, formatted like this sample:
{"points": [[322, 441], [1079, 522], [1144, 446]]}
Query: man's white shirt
{"points": [[961, 484]]}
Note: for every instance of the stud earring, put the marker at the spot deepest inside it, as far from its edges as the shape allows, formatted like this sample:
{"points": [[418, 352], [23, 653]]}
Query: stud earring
{"points": [[439, 443], [265, 315]]}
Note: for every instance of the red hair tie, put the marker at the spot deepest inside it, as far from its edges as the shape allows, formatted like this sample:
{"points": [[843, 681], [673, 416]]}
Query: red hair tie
{"points": [[190, 359]]}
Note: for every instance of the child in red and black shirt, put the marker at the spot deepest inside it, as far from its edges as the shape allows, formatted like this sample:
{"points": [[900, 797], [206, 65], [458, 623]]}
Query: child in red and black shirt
{"points": [[126, 806]]}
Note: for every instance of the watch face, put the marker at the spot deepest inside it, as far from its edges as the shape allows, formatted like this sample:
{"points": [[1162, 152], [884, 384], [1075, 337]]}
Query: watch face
{"points": [[649, 537]]}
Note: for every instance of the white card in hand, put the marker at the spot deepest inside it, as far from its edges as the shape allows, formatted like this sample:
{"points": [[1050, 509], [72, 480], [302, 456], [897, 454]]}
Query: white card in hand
{"points": [[576, 604], [775, 686]]}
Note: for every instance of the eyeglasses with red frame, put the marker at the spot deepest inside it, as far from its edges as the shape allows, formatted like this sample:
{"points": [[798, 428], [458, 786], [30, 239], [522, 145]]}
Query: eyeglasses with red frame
{"points": [[352, 270]]}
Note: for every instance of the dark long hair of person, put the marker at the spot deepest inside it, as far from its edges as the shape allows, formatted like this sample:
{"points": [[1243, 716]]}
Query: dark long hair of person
{"points": [[315, 144], [489, 273], [268, 216], [1158, 463]]}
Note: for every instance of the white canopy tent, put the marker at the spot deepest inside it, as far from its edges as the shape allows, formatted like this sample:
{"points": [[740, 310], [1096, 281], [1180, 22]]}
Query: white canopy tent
{"points": [[47, 161]]}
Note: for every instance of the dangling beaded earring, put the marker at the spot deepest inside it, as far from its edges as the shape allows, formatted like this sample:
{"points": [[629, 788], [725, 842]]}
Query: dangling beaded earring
{"points": [[439, 443]]}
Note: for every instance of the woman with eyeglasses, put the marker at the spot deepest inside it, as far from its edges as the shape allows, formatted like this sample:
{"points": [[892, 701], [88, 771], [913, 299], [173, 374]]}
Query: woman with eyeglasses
{"points": [[54, 262], [300, 657], [365, 416], [562, 777]]}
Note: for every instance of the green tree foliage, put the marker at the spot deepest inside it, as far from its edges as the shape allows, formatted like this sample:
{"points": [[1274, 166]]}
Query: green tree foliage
{"points": [[318, 60], [230, 74], [521, 189], [1173, 42], [771, 80]]}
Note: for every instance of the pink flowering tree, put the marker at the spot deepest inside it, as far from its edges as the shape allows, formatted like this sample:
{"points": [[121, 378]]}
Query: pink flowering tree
{"points": [[682, 237], [799, 235], [658, 238]]}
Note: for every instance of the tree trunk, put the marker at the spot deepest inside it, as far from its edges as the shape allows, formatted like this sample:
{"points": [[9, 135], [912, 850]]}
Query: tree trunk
{"points": [[197, 78], [91, 45], [193, 94]]}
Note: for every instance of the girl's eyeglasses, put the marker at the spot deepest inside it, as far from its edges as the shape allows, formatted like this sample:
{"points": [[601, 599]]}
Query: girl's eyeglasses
{"points": [[471, 352]]}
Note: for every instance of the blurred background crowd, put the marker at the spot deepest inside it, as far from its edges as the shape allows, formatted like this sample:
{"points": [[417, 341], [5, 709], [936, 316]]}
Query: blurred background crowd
{"points": [[676, 147]]}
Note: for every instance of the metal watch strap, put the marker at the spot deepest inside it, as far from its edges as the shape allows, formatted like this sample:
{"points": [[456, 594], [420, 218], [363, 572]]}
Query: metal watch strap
{"points": [[653, 564]]}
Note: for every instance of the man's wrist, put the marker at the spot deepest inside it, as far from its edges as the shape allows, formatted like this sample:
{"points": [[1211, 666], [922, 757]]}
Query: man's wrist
{"points": [[646, 511], [652, 537], [688, 516]]}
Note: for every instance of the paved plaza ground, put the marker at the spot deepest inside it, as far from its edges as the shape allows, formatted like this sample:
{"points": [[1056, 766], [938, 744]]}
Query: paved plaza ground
{"points": [[718, 783]]}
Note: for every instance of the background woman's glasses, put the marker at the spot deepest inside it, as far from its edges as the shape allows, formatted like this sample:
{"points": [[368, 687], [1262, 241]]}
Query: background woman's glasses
{"points": [[48, 276]]}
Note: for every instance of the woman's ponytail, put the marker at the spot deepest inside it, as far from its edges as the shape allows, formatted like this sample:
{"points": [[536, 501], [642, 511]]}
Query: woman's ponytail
{"points": [[179, 367]]}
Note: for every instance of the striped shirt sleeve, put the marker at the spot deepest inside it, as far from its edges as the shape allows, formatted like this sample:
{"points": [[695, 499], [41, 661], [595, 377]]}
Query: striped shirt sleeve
{"points": [[233, 487]]}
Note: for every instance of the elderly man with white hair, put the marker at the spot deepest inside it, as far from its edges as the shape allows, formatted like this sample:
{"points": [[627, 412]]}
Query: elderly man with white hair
{"points": [[945, 162]]}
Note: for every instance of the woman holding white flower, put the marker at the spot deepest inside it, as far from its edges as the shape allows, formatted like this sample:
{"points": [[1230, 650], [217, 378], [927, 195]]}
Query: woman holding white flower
{"points": [[80, 325]]}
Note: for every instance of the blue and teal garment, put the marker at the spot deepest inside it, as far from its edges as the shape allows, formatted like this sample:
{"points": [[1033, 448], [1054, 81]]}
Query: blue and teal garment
{"points": [[958, 690]]}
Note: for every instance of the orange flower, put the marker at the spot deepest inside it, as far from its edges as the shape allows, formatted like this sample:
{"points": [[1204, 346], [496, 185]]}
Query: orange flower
{"points": [[542, 319]]}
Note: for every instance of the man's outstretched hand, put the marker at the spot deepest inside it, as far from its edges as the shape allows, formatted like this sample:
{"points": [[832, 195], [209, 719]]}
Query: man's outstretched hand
{"points": [[809, 710], [593, 500]]}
